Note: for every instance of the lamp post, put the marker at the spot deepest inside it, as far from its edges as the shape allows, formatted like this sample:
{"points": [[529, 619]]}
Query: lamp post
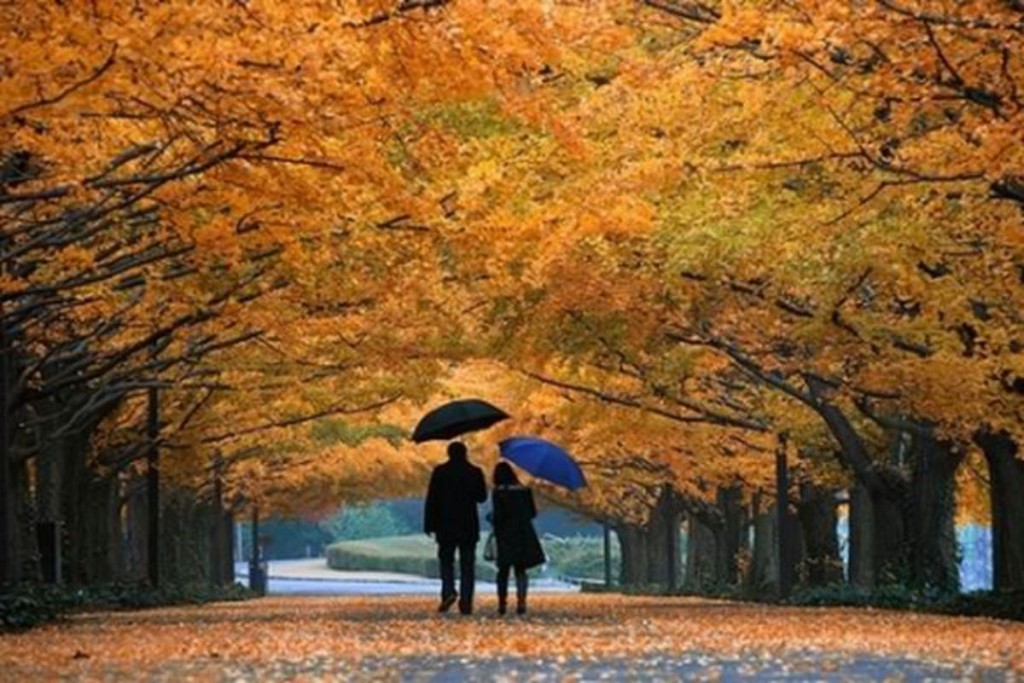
{"points": [[607, 532], [782, 510], [257, 576], [153, 487]]}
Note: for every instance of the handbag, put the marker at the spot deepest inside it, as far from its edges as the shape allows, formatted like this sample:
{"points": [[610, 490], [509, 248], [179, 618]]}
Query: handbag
{"points": [[491, 548]]}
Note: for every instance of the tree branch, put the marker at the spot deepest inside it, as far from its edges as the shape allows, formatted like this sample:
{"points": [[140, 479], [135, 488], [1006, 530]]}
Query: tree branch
{"points": [[97, 72], [290, 422]]}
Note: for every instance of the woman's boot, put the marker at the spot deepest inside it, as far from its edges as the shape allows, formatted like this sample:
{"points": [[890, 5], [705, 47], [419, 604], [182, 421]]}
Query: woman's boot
{"points": [[502, 592], [521, 592]]}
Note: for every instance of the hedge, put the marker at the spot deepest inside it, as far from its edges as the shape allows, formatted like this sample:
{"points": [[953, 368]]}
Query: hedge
{"points": [[28, 605], [415, 554]]}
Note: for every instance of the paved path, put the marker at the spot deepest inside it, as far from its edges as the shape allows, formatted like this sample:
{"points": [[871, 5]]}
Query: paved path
{"points": [[314, 577], [316, 569], [665, 667]]}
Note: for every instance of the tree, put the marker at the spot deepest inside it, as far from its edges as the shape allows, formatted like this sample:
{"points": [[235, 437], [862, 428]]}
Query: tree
{"points": [[374, 520], [670, 230]]}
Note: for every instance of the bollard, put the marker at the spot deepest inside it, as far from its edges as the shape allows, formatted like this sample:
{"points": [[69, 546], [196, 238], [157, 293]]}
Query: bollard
{"points": [[258, 578]]}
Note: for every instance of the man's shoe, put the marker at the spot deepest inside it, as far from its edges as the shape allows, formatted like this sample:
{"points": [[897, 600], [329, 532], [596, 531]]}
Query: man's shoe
{"points": [[447, 602], [502, 608], [465, 609]]}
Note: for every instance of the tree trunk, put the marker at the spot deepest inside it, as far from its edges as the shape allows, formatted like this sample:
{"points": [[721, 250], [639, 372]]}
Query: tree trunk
{"points": [[731, 541], [22, 547], [862, 538], [221, 552], [785, 529], [113, 521], [133, 529], [48, 465], [227, 531], [879, 504], [763, 573], [702, 558], [74, 475], [606, 538], [892, 547], [933, 556], [879, 551], [8, 548], [153, 507], [816, 511], [89, 508], [1006, 490], [657, 555], [662, 533], [169, 552], [96, 556], [633, 555]]}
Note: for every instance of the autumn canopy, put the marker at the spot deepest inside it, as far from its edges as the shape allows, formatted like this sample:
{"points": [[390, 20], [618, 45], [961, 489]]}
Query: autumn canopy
{"points": [[244, 245]]}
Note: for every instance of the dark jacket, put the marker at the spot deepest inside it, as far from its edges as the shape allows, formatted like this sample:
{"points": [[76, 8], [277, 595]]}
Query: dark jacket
{"points": [[512, 519], [456, 488]]}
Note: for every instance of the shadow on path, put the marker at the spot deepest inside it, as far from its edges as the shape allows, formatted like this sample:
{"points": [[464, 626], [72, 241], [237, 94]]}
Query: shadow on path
{"points": [[666, 667]]}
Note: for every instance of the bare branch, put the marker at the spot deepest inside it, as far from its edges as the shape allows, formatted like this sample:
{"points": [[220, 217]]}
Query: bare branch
{"points": [[96, 74]]}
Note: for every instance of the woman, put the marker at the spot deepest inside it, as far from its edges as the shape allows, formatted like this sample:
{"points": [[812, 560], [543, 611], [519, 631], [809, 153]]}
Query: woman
{"points": [[519, 548]]}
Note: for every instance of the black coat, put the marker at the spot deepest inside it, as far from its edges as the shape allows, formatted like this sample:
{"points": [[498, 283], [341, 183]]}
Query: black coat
{"points": [[456, 488], [512, 519]]}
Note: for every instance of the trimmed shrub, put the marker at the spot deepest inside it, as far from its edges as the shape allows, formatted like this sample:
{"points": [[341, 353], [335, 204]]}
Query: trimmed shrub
{"points": [[415, 554], [579, 557]]}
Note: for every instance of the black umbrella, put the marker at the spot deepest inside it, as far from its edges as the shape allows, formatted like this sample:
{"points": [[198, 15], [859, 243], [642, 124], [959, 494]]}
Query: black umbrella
{"points": [[457, 418]]}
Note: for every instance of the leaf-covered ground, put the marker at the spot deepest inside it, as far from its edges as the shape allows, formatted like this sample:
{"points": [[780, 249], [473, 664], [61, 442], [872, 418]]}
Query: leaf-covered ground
{"points": [[566, 637]]}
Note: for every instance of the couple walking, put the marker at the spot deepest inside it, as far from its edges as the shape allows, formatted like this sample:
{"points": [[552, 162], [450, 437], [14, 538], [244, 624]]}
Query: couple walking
{"points": [[456, 488]]}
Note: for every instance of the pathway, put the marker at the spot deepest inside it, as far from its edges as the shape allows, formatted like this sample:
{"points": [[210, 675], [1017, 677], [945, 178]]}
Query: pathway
{"points": [[314, 577], [567, 637]]}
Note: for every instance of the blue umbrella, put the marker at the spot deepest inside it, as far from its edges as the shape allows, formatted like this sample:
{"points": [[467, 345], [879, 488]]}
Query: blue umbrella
{"points": [[543, 459]]}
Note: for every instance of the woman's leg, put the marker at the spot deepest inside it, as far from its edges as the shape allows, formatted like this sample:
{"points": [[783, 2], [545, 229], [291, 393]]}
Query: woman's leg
{"points": [[502, 580], [521, 584]]}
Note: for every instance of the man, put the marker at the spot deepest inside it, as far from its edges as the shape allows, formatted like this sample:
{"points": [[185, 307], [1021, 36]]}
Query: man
{"points": [[456, 488]]}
